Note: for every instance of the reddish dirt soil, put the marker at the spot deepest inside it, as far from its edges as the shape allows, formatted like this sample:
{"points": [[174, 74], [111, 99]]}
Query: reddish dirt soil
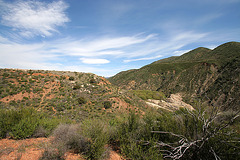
{"points": [[124, 106], [104, 81], [115, 156], [120, 103], [48, 88], [14, 81], [19, 96], [33, 148], [28, 149]]}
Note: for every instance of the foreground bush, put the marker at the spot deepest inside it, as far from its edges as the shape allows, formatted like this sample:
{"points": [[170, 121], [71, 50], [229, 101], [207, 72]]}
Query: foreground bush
{"points": [[184, 134], [205, 134], [26, 122], [51, 153], [25, 128], [8, 118], [133, 134], [68, 137], [18, 123], [88, 139], [47, 125], [98, 133]]}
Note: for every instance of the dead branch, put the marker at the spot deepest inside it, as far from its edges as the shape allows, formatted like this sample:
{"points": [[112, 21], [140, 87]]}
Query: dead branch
{"points": [[178, 149]]}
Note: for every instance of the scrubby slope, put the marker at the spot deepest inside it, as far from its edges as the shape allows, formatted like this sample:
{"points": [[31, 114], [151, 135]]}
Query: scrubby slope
{"points": [[212, 75], [71, 94]]}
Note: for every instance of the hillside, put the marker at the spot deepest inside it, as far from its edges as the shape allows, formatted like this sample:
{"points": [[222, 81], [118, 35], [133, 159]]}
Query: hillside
{"points": [[211, 75], [74, 94]]}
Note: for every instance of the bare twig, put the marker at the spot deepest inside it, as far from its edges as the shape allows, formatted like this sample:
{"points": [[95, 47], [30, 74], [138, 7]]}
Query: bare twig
{"points": [[173, 134], [215, 155]]}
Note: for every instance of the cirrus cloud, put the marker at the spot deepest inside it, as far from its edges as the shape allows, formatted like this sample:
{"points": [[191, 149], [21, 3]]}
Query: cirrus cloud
{"points": [[34, 18], [142, 59], [94, 60]]}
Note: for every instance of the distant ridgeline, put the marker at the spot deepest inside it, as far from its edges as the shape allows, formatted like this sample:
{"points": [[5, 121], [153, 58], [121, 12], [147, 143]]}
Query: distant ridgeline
{"points": [[209, 75]]}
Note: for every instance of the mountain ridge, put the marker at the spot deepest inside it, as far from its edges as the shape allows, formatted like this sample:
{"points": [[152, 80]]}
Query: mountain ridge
{"points": [[197, 73]]}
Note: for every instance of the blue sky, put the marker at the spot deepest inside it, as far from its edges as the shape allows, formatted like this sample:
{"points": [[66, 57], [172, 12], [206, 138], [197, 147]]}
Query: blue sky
{"points": [[108, 36]]}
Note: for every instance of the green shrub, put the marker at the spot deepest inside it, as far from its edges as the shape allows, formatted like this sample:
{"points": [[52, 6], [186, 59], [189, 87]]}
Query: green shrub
{"points": [[88, 139], [202, 135], [25, 122], [67, 136], [40, 132], [140, 150], [76, 87], [147, 94], [25, 128], [14, 120], [46, 126], [71, 78], [134, 134], [93, 81], [51, 153], [8, 118], [97, 132], [81, 100], [107, 104]]}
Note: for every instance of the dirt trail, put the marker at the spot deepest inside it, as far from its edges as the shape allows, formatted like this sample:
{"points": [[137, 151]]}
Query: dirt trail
{"points": [[48, 89]]}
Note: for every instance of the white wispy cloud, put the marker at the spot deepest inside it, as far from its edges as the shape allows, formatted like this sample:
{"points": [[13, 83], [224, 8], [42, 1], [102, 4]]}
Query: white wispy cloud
{"points": [[60, 54], [111, 46], [3, 40], [169, 46], [83, 54], [188, 36], [16, 55], [180, 52], [43, 54], [33, 18], [141, 59], [94, 61]]}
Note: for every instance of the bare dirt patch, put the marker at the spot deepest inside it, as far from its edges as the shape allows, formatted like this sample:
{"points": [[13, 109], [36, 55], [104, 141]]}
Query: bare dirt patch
{"points": [[27, 149], [104, 81], [171, 104], [115, 156], [120, 103], [19, 96], [123, 106], [33, 148]]}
